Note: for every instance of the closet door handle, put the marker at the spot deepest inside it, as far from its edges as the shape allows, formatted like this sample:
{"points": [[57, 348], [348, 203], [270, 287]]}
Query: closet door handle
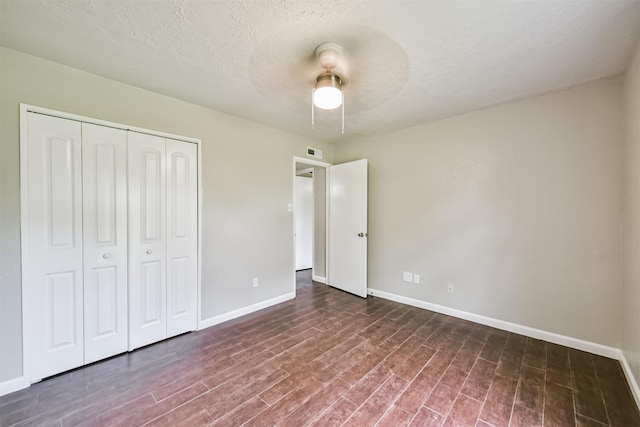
{"points": [[149, 251], [105, 256]]}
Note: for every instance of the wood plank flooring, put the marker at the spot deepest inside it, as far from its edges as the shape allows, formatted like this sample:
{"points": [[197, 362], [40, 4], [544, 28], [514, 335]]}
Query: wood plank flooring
{"points": [[328, 358]]}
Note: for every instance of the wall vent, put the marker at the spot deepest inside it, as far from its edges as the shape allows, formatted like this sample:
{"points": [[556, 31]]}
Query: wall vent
{"points": [[314, 152]]}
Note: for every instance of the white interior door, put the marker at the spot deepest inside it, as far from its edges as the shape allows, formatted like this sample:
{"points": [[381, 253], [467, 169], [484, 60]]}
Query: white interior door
{"points": [[182, 237], [52, 239], [147, 240], [304, 222], [348, 227], [104, 170]]}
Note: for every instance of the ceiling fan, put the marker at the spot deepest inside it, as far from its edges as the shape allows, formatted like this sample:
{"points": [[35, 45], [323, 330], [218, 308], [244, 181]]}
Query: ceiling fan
{"points": [[362, 67], [327, 93]]}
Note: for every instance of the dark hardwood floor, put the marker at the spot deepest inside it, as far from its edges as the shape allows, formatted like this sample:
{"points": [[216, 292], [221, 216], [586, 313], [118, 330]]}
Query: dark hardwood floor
{"points": [[329, 358]]}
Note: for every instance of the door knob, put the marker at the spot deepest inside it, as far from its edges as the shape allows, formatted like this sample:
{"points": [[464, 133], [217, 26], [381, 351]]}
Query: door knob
{"points": [[105, 256], [149, 251], [362, 234]]}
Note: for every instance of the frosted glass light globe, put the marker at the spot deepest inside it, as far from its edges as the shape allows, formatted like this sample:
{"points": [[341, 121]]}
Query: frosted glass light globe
{"points": [[327, 98], [328, 92]]}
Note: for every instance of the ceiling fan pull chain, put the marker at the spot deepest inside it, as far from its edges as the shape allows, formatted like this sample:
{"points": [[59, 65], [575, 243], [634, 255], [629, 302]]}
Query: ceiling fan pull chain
{"points": [[313, 124], [343, 112]]}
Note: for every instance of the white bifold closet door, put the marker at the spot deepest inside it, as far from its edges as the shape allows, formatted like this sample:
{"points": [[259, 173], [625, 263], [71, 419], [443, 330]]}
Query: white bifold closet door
{"points": [[104, 206], [163, 241], [52, 246], [109, 239], [147, 240], [76, 244], [182, 237]]}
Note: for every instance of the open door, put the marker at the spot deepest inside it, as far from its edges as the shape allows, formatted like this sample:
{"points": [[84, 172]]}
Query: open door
{"points": [[348, 227]]}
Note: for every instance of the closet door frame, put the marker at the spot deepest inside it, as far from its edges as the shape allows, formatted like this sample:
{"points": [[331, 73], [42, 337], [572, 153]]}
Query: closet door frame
{"points": [[27, 324]]}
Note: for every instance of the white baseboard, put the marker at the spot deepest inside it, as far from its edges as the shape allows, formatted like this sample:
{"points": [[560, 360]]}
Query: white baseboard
{"points": [[566, 341], [15, 384], [319, 279], [215, 320], [591, 347], [631, 379]]}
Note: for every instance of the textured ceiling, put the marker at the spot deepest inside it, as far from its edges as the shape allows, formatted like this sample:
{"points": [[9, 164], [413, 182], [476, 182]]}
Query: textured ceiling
{"points": [[409, 62]]}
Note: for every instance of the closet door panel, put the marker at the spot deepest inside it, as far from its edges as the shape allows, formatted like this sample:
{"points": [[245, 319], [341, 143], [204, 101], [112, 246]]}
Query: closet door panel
{"points": [[104, 166], [147, 240], [52, 273], [182, 237]]}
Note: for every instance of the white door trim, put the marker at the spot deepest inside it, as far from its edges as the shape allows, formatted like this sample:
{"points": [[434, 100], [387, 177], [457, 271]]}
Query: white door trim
{"points": [[24, 108], [24, 185]]}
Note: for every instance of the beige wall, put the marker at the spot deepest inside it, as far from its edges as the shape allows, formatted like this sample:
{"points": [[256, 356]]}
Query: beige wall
{"points": [[246, 179], [631, 215], [518, 206]]}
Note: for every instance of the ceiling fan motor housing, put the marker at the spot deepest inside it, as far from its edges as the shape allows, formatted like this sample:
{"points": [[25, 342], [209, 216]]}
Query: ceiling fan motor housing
{"points": [[329, 55]]}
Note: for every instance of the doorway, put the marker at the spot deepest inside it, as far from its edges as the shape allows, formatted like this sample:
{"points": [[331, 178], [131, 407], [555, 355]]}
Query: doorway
{"points": [[339, 237], [304, 219], [310, 220]]}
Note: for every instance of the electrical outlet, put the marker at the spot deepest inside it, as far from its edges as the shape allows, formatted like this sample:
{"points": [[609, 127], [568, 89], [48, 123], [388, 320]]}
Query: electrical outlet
{"points": [[256, 283], [416, 278], [407, 277], [450, 288]]}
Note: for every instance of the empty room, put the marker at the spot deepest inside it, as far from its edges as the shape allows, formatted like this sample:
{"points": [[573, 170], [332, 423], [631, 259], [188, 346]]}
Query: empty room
{"points": [[327, 213]]}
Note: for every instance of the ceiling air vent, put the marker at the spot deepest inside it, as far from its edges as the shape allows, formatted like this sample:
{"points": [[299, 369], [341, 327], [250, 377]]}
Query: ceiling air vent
{"points": [[314, 152]]}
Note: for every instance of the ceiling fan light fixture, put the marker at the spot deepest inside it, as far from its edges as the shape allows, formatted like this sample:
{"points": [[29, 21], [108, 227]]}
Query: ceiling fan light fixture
{"points": [[327, 92]]}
